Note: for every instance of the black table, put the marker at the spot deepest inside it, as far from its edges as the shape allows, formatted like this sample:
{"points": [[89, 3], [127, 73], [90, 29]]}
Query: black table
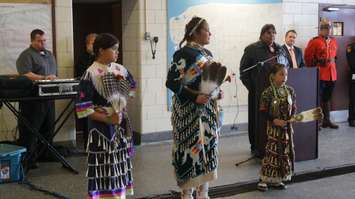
{"points": [[63, 117]]}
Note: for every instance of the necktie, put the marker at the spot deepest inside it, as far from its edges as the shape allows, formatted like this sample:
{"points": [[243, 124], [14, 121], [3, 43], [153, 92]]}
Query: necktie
{"points": [[293, 58]]}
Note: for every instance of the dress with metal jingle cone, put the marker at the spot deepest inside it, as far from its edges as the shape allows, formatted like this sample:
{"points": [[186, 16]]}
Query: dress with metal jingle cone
{"points": [[278, 163], [195, 126], [109, 147]]}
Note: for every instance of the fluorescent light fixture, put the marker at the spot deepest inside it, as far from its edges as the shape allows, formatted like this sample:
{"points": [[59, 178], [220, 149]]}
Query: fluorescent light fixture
{"points": [[332, 9]]}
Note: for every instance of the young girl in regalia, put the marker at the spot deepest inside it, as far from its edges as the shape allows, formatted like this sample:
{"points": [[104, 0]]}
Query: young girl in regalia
{"points": [[104, 91], [279, 105]]}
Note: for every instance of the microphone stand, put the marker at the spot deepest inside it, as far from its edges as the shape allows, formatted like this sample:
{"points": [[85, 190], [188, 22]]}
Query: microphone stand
{"points": [[279, 52], [245, 161], [260, 62]]}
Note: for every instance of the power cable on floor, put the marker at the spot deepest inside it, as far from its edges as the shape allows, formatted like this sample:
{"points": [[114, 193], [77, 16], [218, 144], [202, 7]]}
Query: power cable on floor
{"points": [[34, 187], [234, 125]]}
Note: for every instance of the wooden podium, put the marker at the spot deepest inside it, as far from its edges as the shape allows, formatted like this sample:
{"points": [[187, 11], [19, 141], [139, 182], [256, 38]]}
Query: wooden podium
{"points": [[305, 81]]}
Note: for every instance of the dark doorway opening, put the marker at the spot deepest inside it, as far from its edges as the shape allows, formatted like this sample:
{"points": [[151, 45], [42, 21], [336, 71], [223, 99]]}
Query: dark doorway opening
{"points": [[95, 16], [342, 15]]}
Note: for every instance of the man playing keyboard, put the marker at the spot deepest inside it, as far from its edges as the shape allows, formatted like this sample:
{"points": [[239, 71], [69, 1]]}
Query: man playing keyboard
{"points": [[36, 63]]}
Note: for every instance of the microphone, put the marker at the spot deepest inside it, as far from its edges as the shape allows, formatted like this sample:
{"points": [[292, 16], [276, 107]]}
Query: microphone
{"points": [[280, 50], [282, 56]]}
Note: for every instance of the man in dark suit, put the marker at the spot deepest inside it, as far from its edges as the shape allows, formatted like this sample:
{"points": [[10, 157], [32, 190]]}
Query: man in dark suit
{"points": [[293, 53]]}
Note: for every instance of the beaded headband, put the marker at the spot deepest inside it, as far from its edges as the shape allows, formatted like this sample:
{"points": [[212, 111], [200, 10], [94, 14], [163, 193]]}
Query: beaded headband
{"points": [[195, 27]]}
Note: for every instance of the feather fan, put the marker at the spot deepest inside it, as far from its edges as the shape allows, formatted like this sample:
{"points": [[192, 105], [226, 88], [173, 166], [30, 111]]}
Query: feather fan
{"points": [[213, 75]]}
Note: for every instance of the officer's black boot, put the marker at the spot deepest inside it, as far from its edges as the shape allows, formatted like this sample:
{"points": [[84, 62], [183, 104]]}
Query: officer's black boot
{"points": [[326, 120]]}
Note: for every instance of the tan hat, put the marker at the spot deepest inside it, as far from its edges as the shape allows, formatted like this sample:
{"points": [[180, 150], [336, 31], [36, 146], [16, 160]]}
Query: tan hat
{"points": [[325, 24]]}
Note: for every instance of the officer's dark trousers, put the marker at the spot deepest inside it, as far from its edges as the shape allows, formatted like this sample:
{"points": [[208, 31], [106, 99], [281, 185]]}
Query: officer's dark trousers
{"points": [[326, 91], [41, 117], [352, 101]]}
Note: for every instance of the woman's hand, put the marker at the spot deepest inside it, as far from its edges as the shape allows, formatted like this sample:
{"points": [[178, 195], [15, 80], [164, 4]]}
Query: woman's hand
{"points": [[119, 77], [280, 123], [202, 99], [116, 118]]}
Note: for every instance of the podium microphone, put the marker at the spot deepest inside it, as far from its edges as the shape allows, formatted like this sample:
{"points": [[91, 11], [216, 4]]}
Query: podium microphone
{"points": [[280, 51]]}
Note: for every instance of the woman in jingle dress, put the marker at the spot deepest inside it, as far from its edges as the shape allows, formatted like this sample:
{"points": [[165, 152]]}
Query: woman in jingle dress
{"points": [[109, 169], [194, 115]]}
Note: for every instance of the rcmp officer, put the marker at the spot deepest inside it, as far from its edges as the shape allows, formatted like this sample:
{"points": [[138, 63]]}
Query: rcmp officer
{"points": [[321, 52], [350, 55]]}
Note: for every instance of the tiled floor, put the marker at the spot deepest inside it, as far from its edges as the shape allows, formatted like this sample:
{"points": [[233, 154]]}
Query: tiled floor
{"points": [[153, 172]]}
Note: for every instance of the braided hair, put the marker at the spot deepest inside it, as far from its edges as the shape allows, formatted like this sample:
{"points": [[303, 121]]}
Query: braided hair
{"points": [[194, 25]]}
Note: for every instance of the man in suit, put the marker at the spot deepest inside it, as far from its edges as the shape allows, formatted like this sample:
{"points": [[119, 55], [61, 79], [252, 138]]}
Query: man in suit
{"points": [[293, 53]]}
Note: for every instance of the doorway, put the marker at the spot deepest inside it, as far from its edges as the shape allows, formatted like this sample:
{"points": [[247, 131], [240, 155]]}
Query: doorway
{"points": [[342, 16], [95, 16]]}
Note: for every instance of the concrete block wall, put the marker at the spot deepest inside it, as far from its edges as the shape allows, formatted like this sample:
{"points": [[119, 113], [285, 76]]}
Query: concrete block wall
{"points": [[131, 12], [155, 115], [148, 110], [65, 60], [302, 15]]}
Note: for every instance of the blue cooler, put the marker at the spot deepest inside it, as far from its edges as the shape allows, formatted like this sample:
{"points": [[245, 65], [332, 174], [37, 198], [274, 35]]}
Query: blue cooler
{"points": [[10, 163]]}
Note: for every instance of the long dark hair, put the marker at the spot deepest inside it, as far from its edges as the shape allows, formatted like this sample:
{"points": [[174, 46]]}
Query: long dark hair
{"points": [[266, 28], [104, 41], [274, 69], [194, 25]]}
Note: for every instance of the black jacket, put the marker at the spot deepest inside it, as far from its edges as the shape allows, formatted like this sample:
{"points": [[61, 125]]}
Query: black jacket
{"points": [[84, 62], [350, 55], [255, 53]]}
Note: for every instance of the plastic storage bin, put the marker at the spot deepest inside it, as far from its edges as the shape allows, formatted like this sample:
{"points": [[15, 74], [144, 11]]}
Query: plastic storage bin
{"points": [[10, 163]]}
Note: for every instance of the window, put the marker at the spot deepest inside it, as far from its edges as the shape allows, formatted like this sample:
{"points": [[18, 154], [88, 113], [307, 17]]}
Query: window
{"points": [[338, 29]]}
